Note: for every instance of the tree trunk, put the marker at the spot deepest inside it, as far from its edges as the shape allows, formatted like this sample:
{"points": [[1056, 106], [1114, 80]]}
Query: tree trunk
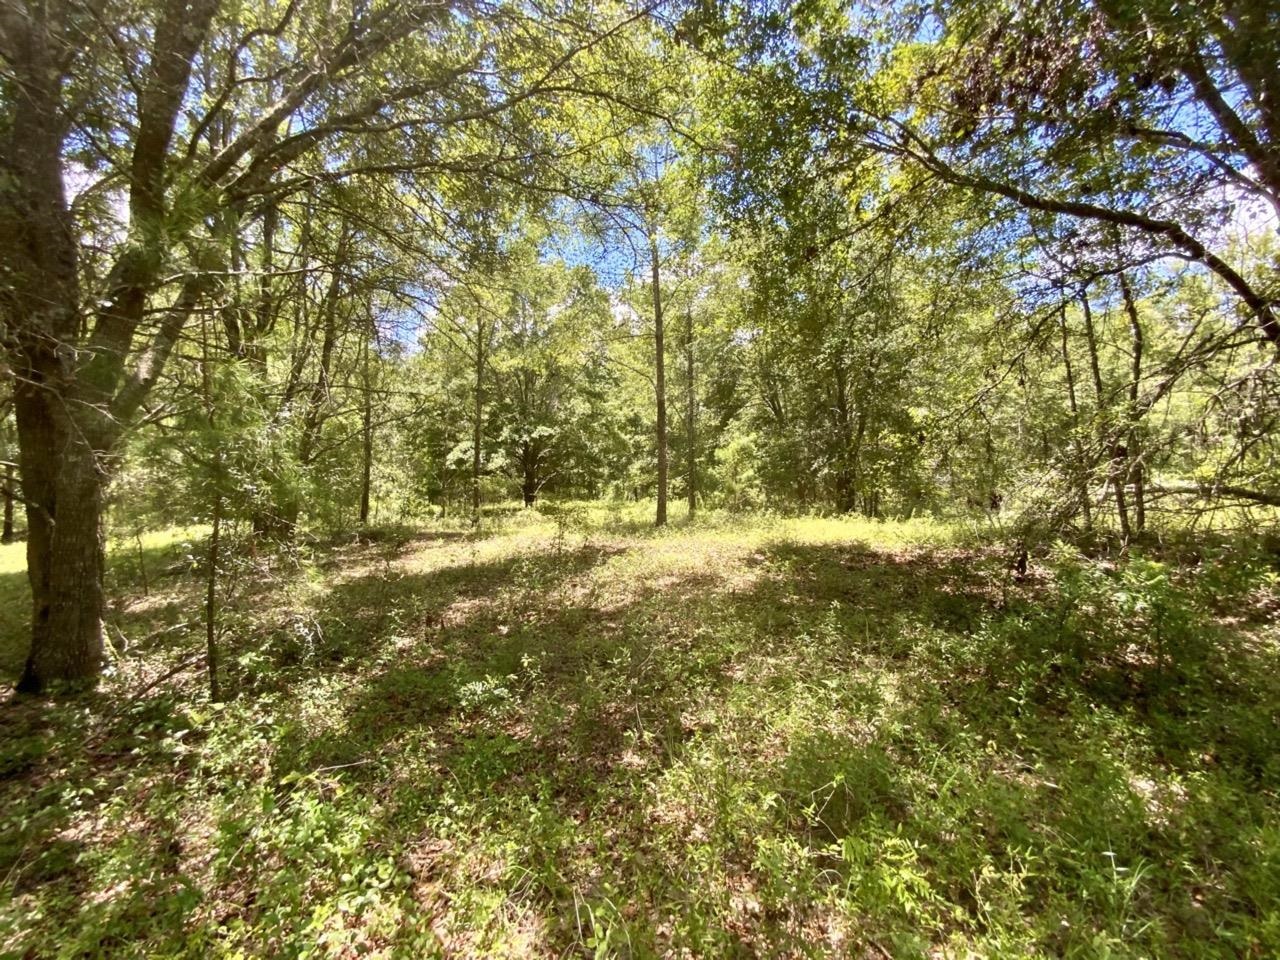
{"points": [[691, 412], [1135, 467], [529, 470], [846, 481], [855, 459], [366, 465], [211, 599], [366, 429], [313, 418], [215, 536], [7, 535], [477, 425], [63, 484], [660, 380], [1082, 465], [1118, 461]]}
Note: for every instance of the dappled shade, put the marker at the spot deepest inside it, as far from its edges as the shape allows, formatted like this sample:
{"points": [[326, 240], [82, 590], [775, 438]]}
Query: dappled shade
{"points": [[760, 738]]}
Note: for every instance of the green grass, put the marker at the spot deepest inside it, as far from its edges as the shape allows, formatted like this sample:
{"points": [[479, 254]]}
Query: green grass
{"points": [[569, 735], [15, 605]]}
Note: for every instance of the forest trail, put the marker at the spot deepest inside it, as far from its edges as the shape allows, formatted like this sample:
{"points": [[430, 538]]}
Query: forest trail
{"points": [[577, 733]]}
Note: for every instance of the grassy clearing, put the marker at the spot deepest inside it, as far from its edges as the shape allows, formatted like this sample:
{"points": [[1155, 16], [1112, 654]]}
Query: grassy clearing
{"points": [[571, 735]]}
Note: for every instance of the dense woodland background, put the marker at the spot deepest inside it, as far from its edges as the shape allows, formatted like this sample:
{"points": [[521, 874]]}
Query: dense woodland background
{"points": [[353, 353]]}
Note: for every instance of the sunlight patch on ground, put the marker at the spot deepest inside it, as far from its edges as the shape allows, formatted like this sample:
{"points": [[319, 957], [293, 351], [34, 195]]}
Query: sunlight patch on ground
{"points": [[13, 557]]}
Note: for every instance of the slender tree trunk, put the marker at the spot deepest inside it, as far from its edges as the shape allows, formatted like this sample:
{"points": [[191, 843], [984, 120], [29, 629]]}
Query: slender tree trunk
{"points": [[1136, 473], [6, 536], [855, 457], [1118, 465], [660, 379], [529, 471], [1082, 465], [366, 465], [142, 562], [211, 599], [691, 413], [215, 536], [477, 425], [266, 305], [846, 492], [313, 418], [276, 516]]}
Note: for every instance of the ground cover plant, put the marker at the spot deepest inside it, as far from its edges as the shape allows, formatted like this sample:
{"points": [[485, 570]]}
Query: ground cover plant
{"points": [[734, 737]]}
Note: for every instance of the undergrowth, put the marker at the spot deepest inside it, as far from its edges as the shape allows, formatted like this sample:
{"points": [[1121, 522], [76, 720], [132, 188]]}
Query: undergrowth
{"points": [[570, 735]]}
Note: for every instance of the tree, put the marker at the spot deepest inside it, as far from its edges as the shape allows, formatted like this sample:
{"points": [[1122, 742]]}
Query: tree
{"points": [[1128, 117], [189, 161]]}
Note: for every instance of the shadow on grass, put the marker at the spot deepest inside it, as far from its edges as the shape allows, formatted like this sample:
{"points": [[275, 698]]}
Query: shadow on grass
{"points": [[15, 619], [516, 648], [998, 649], [981, 730], [944, 735], [147, 590], [906, 746]]}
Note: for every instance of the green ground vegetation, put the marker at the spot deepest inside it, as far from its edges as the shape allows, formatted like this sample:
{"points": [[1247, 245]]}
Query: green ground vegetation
{"points": [[569, 734]]}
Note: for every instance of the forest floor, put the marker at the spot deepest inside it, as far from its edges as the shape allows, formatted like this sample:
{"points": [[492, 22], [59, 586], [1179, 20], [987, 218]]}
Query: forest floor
{"points": [[571, 735]]}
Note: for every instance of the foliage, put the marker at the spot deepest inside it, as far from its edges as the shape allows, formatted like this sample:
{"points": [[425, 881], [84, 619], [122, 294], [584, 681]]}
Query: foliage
{"points": [[373, 341]]}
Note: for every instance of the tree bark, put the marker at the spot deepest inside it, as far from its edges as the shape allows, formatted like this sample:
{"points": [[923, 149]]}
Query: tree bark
{"points": [[1118, 462], [62, 482], [1136, 473], [1082, 465], [313, 417], [846, 466], [61, 434], [691, 413], [215, 536], [529, 456], [211, 600], [660, 378], [477, 424], [366, 431], [6, 536]]}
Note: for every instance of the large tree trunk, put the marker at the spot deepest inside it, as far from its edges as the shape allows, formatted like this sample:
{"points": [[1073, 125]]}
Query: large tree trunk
{"points": [[63, 483], [60, 428]]}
